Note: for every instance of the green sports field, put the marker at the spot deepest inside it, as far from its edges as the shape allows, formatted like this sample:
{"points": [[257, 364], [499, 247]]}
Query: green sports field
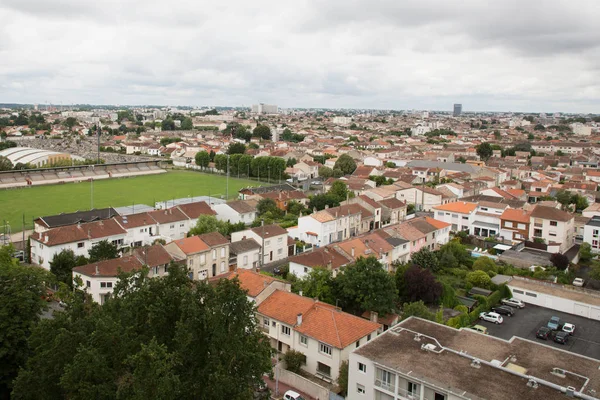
{"points": [[39, 201]]}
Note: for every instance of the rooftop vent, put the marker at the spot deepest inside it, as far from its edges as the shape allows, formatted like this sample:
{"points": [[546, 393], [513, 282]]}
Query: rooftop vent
{"points": [[570, 391], [428, 347], [532, 383], [559, 372], [476, 363], [418, 337]]}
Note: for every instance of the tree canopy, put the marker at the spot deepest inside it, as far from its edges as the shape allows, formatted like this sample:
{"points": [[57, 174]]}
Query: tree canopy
{"points": [[345, 163], [485, 151], [236, 148], [103, 250], [155, 338], [425, 258], [366, 286], [262, 131], [202, 159]]}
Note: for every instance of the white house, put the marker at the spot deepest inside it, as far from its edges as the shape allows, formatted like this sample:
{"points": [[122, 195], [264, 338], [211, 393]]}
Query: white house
{"points": [[236, 211], [244, 254], [591, 233], [80, 238], [460, 215], [325, 257], [271, 238], [322, 332], [555, 226]]}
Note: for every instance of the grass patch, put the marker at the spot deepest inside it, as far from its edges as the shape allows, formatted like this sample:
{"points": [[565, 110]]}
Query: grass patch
{"points": [[37, 201]]}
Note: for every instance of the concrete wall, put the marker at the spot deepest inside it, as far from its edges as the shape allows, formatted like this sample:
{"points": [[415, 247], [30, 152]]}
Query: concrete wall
{"points": [[302, 384]]}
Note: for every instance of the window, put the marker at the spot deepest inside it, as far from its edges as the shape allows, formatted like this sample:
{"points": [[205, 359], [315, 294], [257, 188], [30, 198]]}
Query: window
{"points": [[222, 251], [362, 367], [222, 266], [466, 218], [280, 251], [141, 230], [551, 234], [440, 214], [181, 225], [80, 245], [369, 337], [484, 208], [553, 223], [412, 388], [285, 330], [358, 343], [323, 369], [191, 262], [454, 215], [266, 321], [280, 240], [360, 389], [165, 268], [88, 284], [155, 270], [385, 379], [306, 270], [172, 226], [245, 260], [325, 349], [105, 284], [518, 291], [447, 213], [508, 224], [303, 340], [274, 323], [202, 258], [267, 243], [214, 254], [530, 294]]}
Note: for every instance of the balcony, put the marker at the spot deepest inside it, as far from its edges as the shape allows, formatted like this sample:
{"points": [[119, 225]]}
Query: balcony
{"points": [[537, 225], [264, 328], [390, 387]]}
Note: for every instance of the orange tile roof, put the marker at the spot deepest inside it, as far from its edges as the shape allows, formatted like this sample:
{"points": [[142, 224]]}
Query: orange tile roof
{"points": [[320, 321], [192, 245], [518, 215], [252, 282], [458, 206], [437, 224]]}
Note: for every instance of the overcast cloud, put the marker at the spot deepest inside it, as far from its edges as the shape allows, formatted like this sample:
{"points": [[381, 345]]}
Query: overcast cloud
{"points": [[504, 55]]}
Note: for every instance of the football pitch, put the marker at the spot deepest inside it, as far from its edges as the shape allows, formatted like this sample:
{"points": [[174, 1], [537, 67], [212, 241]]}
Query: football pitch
{"points": [[38, 201]]}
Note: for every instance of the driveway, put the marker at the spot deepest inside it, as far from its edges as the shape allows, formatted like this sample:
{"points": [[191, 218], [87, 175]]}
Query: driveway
{"points": [[525, 323]]}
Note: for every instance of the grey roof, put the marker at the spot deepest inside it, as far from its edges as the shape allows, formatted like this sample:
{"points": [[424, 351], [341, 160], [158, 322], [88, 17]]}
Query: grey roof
{"points": [[187, 200], [594, 221], [492, 199], [243, 246], [394, 241], [133, 209], [450, 166], [486, 225], [500, 279], [53, 221]]}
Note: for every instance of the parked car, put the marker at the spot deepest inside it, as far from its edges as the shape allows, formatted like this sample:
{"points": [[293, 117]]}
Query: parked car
{"points": [[569, 328], [491, 317], [554, 324], [513, 302], [543, 332], [578, 282], [561, 337], [291, 395], [504, 310], [479, 328]]}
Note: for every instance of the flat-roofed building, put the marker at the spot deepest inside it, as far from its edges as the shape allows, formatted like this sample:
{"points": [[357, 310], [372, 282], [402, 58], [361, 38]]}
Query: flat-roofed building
{"points": [[419, 359]]}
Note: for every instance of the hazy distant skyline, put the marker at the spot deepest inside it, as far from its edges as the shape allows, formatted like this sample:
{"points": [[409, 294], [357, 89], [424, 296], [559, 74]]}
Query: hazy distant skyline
{"points": [[533, 56]]}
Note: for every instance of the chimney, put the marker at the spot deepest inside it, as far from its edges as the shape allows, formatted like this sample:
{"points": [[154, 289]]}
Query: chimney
{"points": [[326, 206], [299, 319], [352, 253], [97, 270], [373, 317], [300, 292], [45, 238]]}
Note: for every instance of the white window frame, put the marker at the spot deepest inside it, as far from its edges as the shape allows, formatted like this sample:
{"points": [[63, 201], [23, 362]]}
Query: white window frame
{"points": [[325, 349]]}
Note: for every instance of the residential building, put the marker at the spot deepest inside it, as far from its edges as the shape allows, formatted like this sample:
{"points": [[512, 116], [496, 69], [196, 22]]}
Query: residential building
{"points": [[555, 226], [393, 211], [244, 254], [325, 257], [258, 286], [42, 224], [421, 232], [273, 240], [236, 211], [457, 110], [99, 278], [515, 225], [80, 238], [171, 223], [591, 233], [206, 256], [322, 332], [459, 215], [423, 198], [418, 359]]}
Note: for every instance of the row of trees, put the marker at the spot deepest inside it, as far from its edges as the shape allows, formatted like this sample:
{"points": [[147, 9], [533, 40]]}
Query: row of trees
{"points": [[62, 263], [245, 164]]}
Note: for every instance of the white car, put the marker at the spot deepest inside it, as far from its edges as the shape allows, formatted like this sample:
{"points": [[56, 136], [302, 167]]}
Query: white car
{"points": [[291, 395], [491, 317], [578, 282], [569, 328], [513, 302]]}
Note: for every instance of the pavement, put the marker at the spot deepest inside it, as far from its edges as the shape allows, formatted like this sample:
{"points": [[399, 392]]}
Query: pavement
{"points": [[282, 389], [526, 321]]}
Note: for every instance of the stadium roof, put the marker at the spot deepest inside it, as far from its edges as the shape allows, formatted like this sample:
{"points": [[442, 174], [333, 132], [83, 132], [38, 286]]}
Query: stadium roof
{"points": [[26, 155]]}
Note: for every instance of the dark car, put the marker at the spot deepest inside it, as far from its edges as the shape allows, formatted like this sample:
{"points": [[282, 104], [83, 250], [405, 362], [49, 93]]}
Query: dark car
{"points": [[561, 337], [543, 333], [504, 310]]}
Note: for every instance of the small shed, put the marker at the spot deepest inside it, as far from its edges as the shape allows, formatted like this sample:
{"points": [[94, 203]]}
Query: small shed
{"points": [[467, 302], [477, 291]]}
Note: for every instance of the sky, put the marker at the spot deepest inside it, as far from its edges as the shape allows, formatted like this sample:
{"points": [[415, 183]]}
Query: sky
{"points": [[509, 55]]}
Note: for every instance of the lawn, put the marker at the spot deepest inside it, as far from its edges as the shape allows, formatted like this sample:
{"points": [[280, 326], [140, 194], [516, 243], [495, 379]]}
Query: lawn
{"points": [[39, 201]]}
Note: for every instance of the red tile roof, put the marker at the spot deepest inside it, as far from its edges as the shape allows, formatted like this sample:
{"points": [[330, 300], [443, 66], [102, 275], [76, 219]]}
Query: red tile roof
{"points": [[80, 232], [195, 210], [110, 268], [253, 282], [192, 245], [320, 321]]}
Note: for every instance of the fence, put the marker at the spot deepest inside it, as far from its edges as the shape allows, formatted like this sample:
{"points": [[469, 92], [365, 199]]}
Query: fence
{"points": [[304, 385]]}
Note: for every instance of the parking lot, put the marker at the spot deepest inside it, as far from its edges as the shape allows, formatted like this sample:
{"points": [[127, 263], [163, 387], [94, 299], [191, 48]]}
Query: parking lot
{"points": [[526, 321]]}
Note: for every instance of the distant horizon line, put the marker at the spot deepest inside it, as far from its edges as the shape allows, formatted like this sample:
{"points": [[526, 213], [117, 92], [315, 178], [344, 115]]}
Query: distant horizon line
{"points": [[450, 111]]}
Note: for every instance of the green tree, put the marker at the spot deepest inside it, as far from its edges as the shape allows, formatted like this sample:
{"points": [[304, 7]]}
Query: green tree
{"points": [[325, 172], [236, 148], [187, 124], [585, 252], [5, 164], [417, 309], [581, 203], [294, 360], [319, 201], [221, 162], [171, 335], [103, 250], [266, 205], [296, 208], [202, 159], [70, 122], [530, 136], [419, 284], [479, 279], [319, 283], [366, 286], [485, 264], [343, 377], [21, 291], [345, 163], [560, 261], [564, 198], [339, 190], [62, 265], [453, 255], [207, 224], [167, 124], [425, 258], [291, 162], [485, 151], [262, 131]]}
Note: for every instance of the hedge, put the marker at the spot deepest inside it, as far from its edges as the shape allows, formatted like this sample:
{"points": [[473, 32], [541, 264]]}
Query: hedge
{"points": [[463, 320]]}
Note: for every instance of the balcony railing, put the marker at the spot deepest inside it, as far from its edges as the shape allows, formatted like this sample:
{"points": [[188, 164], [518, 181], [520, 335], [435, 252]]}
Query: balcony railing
{"points": [[538, 225], [264, 328], [390, 387]]}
